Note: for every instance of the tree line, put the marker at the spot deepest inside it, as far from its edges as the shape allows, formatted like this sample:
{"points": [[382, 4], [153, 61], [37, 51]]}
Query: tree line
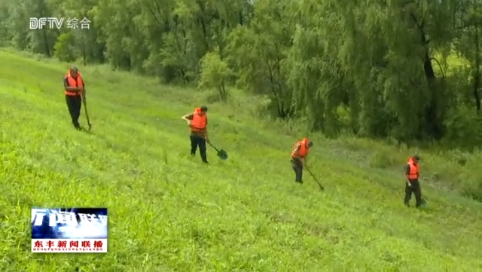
{"points": [[405, 69]]}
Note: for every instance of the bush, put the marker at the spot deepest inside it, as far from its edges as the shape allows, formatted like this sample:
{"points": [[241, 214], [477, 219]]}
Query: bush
{"points": [[464, 129], [63, 48]]}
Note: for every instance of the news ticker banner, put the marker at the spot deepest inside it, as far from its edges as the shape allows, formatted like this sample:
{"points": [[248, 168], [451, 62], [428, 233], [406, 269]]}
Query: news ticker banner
{"points": [[69, 230]]}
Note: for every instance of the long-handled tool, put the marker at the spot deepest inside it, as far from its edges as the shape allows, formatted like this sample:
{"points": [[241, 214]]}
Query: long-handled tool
{"points": [[221, 153], [424, 201], [84, 101], [316, 180]]}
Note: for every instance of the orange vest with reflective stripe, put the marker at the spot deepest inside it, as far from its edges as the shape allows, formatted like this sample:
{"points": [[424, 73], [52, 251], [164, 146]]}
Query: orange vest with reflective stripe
{"points": [[414, 168], [74, 82], [199, 120], [302, 152]]}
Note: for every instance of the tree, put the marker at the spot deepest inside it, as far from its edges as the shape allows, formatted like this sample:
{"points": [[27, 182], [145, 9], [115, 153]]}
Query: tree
{"points": [[215, 73]]}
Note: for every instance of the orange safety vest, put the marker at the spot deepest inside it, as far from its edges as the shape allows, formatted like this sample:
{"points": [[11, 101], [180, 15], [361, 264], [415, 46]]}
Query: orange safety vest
{"points": [[303, 151], [199, 120], [414, 168], [74, 82]]}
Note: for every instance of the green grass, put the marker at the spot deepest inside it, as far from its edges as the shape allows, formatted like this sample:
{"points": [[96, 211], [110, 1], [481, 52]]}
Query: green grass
{"points": [[169, 212]]}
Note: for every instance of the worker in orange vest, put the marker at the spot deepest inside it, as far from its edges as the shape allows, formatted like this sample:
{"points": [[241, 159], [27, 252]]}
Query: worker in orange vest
{"points": [[412, 184], [74, 89], [298, 158], [198, 122]]}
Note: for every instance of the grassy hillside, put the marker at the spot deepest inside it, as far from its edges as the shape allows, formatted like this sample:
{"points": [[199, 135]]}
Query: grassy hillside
{"points": [[170, 212]]}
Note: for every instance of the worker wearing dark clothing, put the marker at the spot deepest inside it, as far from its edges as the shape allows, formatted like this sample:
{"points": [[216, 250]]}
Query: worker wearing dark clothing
{"points": [[412, 185], [74, 89], [298, 157], [198, 122]]}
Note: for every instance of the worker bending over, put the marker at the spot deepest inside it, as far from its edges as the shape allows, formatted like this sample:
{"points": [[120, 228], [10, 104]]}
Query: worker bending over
{"points": [[298, 158]]}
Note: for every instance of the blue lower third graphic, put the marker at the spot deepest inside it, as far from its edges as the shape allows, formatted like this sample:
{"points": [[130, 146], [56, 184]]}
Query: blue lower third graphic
{"points": [[69, 223]]}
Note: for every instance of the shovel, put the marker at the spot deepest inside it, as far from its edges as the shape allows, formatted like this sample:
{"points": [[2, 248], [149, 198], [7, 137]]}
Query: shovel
{"points": [[316, 180], [84, 101], [221, 153]]}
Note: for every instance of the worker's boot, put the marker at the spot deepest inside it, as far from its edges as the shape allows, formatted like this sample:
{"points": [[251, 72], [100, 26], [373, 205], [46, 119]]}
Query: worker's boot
{"points": [[77, 125]]}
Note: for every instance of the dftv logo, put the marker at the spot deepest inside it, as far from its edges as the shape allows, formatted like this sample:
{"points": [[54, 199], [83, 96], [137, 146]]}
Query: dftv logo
{"points": [[40, 23]]}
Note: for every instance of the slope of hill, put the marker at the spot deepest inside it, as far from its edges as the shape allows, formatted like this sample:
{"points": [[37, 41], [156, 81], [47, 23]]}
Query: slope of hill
{"points": [[168, 211]]}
